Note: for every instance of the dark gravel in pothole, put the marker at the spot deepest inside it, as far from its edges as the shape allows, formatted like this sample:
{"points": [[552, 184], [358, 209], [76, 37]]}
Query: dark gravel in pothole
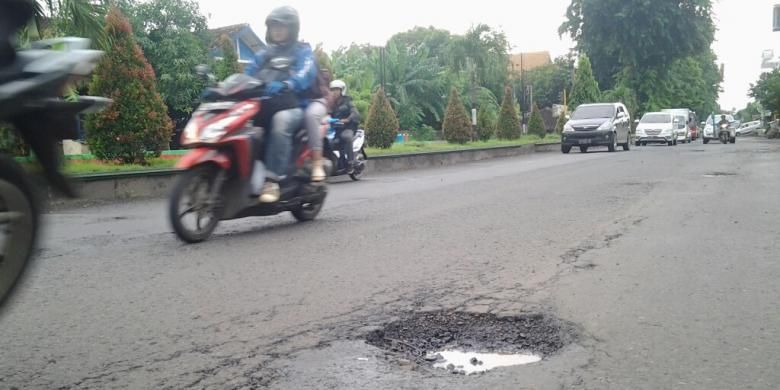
{"points": [[719, 174], [417, 334]]}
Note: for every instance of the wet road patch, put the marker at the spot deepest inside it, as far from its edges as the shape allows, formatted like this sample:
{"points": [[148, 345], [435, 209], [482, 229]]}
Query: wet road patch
{"points": [[460, 341]]}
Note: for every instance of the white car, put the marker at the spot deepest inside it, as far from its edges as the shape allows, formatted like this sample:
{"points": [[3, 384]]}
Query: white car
{"points": [[749, 128], [685, 117], [657, 127]]}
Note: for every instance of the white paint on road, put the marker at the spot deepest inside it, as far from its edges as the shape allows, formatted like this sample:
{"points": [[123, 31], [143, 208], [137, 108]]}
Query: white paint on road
{"points": [[475, 362]]}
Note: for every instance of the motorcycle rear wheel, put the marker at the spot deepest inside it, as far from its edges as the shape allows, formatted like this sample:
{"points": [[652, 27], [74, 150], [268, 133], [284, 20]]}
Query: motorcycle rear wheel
{"points": [[195, 186], [360, 166], [18, 225]]}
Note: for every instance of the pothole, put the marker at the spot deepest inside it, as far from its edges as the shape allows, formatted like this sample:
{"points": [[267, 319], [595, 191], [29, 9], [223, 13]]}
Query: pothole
{"points": [[719, 174], [468, 343]]}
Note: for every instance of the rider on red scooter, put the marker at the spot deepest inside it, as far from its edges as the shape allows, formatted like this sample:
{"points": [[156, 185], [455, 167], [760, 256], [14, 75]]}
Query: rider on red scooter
{"points": [[289, 69]]}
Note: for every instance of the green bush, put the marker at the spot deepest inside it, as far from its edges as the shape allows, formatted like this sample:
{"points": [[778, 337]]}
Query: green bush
{"points": [[136, 124], [508, 121], [456, 125], [381, 124], [486, 125], [424, 133], [536, 123]]}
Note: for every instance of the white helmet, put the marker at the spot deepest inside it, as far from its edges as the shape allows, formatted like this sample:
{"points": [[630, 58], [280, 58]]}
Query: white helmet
{"points": [[339, 84]]}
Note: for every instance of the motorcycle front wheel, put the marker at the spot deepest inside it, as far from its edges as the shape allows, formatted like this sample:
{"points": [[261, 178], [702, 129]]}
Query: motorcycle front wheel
{"points": [[193, 213], [18, 225], [724, 138]]}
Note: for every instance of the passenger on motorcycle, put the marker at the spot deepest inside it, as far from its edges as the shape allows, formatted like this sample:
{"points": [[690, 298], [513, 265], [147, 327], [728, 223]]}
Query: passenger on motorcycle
{"points": [[345, 110], [320, 105], [288, 68]]}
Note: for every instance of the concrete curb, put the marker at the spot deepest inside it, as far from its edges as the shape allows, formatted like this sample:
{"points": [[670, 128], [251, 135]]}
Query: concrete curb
{"points": [[157, 183]]}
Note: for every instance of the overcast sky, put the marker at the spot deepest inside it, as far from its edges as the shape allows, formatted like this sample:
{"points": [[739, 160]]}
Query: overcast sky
{"points": [[745, 26]]}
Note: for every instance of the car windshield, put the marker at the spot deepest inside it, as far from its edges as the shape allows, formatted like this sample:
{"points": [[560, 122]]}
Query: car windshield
{"points": [[594, 112], [656, 118]]}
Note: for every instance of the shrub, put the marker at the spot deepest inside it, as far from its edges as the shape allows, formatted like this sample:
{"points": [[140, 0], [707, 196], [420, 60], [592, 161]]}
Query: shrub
{"points": [[486, 125], [536, 123], [508, 122], [381, 123], [137, 123], [456, 125]]}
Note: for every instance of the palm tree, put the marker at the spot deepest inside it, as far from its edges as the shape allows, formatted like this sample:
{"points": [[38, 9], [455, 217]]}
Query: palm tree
{"points": [[414, 83], [82, 18]]}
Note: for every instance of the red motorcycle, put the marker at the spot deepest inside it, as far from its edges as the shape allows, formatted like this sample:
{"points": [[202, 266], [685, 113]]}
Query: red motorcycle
{"points": [[223, 172]]}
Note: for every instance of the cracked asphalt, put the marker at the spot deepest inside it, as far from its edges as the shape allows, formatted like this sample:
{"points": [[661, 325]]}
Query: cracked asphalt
{"points": [[667, 268]]}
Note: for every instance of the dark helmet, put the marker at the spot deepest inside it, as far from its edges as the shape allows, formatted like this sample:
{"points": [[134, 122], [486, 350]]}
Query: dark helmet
{"points": [[286, 16]]}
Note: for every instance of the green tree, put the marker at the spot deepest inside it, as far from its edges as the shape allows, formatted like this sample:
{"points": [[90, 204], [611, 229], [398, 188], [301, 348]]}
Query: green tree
{"points": [[767, 91], [549, 81], [633, 43], [486, 124], [638, 34], [435, 41], [536, 123], [508, 126], [136, 124], [456, 126], [82, 18], [484, 51], [174, 37], [751, 112], [228, 64], [414, 84], [585, 88], [381, 124]]}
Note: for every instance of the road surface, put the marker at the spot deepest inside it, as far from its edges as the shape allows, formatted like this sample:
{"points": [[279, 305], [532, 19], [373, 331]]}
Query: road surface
{"points": [[666, 259]]}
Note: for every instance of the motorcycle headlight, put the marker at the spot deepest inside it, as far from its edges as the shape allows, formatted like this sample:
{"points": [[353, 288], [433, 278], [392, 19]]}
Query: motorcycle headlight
{"points": [[606, 126], [190, 133], [216, 130]]}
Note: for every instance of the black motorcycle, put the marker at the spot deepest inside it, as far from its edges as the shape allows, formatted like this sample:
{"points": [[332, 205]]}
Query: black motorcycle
{"points": [[31, 86]]}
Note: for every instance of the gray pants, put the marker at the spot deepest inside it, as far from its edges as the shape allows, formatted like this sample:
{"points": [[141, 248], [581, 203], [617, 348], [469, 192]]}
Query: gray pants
{"points": [[346, 137], [279, 142], [313, 121]]}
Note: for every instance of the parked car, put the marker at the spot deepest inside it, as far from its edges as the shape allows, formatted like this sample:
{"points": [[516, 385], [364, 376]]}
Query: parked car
{"points": [[748, 128], [710, 133], [603, 124], [657, 127], [683, 131]]}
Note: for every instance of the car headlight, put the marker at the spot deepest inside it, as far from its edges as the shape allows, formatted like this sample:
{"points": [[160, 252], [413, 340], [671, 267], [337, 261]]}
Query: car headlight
{"points": [[567, 128], [606, 126], [667, 131]]}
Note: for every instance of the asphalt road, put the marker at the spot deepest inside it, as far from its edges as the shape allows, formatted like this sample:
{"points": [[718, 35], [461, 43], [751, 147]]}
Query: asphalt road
{"points": [[666, 259]]}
